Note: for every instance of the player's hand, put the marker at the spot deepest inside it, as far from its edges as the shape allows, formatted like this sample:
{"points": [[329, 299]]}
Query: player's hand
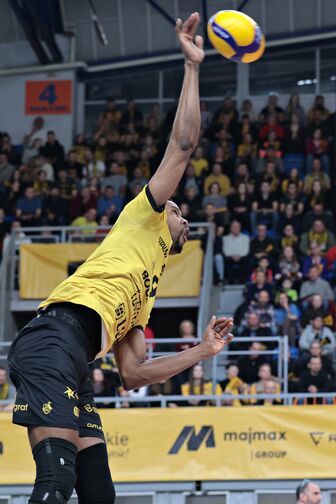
{"points": [[216, 335], [191, 45]]}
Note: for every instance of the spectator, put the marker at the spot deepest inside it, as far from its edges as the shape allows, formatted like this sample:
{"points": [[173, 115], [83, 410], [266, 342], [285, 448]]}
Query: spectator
{"points": [[320, 107], [272, 125], [314, 380], [92, 166], [37, 132], [308, 493], [198, 386], [217, 176], [251, 328], [101, 387], [288, 264], [318, 212], [139, 393], [131, 114], [317, 147], [316, 308], [272, 107], [317, 331], [56, 208], [293, 198], [7, 391], [315, 350], [110, 204], [236, 247], [29, 208], [190, 180], [165, 388], [316, 174], [315, 259], [271, 387], [264, 375], [289, 238], [294, 107], [292, 178], [318, 235], [264, 266], [53, 150], [240, 206], [247, 109], [264, 208], [88, 220], [206, 115], [264, 309], [199, 162], [315, 285], [80, 203], [233, 385], [287, 316], [186, 330], [250, 364], [260, 284], [137, 179], [6, 170], [215, 198], [288, 217], [115, 179], [262, 245]]}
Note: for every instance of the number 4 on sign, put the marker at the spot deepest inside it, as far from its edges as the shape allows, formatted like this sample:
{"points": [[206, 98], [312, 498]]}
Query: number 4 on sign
{"points": [[48, 94]]}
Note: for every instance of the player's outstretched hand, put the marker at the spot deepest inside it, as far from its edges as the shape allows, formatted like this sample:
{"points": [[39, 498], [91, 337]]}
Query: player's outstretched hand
{"points": [[191, 45], [217, 334]]}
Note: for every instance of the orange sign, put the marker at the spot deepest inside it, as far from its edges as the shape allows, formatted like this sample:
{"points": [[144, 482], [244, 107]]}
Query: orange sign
{"points": [[48, 97]]}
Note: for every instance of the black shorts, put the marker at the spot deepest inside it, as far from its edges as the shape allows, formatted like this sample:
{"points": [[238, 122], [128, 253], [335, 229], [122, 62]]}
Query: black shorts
{"points": [[49, 368]]}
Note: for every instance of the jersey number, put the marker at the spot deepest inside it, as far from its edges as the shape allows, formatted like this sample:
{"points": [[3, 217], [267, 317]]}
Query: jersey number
{"points": [[48, 94]]}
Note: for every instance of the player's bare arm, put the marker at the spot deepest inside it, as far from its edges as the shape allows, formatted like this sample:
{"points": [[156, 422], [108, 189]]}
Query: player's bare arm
{"points": [[135, 371], [186, 128]]}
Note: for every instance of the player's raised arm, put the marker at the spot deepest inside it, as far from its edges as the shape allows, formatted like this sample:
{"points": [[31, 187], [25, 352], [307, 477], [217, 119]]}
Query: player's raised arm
{"points": [[185, 132]]}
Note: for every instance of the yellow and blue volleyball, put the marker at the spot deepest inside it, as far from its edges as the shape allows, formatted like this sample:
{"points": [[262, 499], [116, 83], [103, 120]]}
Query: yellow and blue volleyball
{"points": [[236, 36]]}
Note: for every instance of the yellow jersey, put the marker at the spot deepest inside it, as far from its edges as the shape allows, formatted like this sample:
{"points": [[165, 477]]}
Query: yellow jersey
{"points": [[119, 279]]}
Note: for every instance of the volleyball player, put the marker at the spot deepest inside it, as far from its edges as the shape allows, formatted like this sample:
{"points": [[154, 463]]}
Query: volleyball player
{"points": [[106, 304]]}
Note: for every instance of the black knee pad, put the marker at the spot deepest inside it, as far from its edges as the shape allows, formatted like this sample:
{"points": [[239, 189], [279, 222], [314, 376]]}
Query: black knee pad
{"points": [[94, 483], [55, 460]]}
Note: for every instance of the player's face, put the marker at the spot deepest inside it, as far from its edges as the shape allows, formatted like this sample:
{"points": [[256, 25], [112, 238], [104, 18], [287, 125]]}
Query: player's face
{"points": [[178, 227]]}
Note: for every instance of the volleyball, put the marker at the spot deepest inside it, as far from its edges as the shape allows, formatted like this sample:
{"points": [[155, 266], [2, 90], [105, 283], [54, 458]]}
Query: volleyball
{"points": [[236, 36]]}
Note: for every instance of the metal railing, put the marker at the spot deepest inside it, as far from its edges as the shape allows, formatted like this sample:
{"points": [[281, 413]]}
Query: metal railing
{"points": [[280, 352]]}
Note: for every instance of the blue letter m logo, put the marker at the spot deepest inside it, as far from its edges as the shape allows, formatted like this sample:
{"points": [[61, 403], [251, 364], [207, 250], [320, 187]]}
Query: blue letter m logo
{"points": [[193, 440]]}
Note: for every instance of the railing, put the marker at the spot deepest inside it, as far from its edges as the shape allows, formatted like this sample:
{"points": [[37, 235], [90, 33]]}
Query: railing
{"points": [[218, 400]]}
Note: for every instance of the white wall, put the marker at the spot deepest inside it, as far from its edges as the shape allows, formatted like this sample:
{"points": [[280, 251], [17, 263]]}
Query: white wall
{"points": [[12, 107]]}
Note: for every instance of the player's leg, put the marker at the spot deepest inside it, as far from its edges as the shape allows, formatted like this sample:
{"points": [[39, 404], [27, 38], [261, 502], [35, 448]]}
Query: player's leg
{"points": [[46, 366], [94, 484], [54, 450]]}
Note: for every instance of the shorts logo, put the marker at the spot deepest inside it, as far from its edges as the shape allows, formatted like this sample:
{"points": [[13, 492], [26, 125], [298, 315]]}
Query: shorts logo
{"points": [[120, 311], [76, 411], [71, 394], [47, 408], [20, 407], [94, 426], [90, 409]]}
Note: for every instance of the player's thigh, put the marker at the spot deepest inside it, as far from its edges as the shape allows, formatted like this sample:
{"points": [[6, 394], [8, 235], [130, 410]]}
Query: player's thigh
{"points": [[90, 426], [47, 366], [38, 434]]}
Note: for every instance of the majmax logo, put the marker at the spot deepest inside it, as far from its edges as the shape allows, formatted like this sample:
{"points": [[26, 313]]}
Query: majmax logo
{"points": [[193, 440], [250, 436]]}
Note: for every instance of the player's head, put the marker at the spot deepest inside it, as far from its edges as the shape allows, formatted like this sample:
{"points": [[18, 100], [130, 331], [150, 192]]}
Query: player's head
{"points": [[178, 227], [308, 493]]}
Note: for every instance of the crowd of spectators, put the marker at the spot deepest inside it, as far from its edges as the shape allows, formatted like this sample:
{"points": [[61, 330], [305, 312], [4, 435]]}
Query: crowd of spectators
{"points": [[264, 178]]}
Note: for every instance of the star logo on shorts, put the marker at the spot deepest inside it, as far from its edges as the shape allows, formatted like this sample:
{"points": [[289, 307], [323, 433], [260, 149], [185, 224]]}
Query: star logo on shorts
{"points": [[71, 394], [47, 408]]}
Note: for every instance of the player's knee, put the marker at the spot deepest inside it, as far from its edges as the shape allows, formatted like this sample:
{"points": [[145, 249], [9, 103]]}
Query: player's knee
{"points": [[55, 460], [94, 483]]}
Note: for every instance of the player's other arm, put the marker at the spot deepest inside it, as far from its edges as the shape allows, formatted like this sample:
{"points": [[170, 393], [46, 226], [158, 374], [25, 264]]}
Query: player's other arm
{"points": [[186, 128], [135, 371]]}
